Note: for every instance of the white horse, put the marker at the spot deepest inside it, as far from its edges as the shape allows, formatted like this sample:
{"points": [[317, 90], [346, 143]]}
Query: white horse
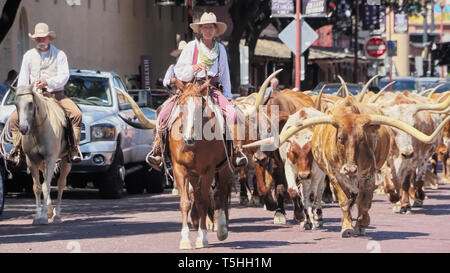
{"points": [[41, 124]]}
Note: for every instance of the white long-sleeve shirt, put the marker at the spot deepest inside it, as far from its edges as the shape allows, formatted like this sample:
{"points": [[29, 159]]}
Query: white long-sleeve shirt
{"points": [[55, 83], [185, 72]]}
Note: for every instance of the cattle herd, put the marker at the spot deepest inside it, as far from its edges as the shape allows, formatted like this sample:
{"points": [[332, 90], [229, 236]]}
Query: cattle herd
{"points": [[353, 145]]}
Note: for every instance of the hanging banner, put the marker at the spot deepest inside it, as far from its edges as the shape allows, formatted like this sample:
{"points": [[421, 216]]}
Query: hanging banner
{"points": [[283, 8], [314, 7], [401, 22]]}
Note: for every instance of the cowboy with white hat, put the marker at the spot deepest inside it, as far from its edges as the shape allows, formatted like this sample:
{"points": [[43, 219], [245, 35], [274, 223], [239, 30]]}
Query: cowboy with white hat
{"points": [[208, 54], [47, 68]]}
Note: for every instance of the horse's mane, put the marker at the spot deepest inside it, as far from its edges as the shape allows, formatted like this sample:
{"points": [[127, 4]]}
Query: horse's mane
{"points": [[54, 111], [191, 90]]}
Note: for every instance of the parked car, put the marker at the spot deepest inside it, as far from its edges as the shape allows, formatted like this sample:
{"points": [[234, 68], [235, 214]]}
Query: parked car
{"points": [[445, 87], [113, 151], [410, 84], [332, 88]]}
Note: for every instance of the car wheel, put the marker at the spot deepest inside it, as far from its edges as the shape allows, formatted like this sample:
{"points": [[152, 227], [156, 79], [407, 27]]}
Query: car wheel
{"points": [[111, 183], [2, 189], [135, 183], [154, 181]]}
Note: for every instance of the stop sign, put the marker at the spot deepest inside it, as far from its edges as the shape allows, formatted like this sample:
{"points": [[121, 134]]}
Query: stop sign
{"points": [[376, 47]]}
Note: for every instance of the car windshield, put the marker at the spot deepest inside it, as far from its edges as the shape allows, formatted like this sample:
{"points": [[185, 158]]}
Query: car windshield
{"points": [[332, 89], [89, 90], [444, 88], [401, 85], [83, 90]]}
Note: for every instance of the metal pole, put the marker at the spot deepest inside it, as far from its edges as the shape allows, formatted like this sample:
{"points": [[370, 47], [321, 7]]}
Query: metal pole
{"points": [[298, 47], [355, 64], [442, 34], [390, 39]]}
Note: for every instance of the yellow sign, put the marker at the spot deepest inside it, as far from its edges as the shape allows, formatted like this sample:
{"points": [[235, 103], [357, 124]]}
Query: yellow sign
{"points": [[437, 16]]}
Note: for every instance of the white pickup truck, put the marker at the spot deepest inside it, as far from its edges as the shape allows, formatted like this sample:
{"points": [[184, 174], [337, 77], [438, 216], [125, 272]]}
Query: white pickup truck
{"points": [[113, 151]]}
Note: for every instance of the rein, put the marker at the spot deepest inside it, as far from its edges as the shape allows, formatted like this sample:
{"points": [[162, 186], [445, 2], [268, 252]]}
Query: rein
{"points": [[34, 112]]}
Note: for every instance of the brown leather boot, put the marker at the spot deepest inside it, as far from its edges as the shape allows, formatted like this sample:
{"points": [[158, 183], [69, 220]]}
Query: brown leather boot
{"points": [[16, 155], [154, 158], [75, 154]]}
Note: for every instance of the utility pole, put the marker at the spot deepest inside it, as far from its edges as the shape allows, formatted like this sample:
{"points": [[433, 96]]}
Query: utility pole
{"points": [[355, 65], [442, 32], [298, 50]]}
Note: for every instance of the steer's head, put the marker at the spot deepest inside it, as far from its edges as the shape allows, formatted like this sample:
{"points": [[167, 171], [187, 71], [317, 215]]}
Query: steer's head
{"points": [[354, 135]]}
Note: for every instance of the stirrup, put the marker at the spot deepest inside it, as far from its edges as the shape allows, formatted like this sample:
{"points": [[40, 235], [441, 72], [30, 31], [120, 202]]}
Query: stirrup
{"points": [[154, 161]]}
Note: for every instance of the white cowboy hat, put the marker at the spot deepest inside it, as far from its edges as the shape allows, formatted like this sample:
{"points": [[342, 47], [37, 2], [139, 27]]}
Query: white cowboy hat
{"points": [[41, 30], [175, 53], [209, 18]]}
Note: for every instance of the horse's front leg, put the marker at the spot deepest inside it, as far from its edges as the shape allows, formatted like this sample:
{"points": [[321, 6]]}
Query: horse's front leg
{"points": [[180, 176], [62, 182], [46, 186], [39, 218]]}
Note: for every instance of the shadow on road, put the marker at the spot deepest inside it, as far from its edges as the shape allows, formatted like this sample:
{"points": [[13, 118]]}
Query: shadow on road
{"points": [[88, 228], [258, 244]]}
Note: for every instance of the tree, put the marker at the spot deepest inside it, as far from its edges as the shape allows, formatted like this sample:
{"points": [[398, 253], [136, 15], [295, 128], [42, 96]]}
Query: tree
{"points": [[8, 16]]}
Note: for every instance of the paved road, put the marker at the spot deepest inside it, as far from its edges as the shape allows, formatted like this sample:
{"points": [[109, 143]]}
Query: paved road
{"points": [[151, 223]]}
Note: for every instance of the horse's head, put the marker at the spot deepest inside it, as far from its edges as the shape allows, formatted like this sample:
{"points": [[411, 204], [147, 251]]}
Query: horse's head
{"points": [[192, 101], [26, 107]]}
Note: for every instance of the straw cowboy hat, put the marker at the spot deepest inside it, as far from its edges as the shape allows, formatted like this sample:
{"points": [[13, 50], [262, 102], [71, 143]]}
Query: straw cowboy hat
{"points": [[175, 53], [41, 30], [209, 18]]}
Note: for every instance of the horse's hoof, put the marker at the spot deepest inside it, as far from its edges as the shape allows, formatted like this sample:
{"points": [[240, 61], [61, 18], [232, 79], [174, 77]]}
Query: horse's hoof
{"points": [[396, 208], [405, 210], [316, 225], [279, 219], [201, 243], [360, 231], [185, 245], [40, 221], [57, 220], [348, 233]]}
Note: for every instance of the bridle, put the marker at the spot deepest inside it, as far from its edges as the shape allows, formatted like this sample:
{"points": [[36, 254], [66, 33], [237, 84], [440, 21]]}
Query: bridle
{"points": [[36, 107]]}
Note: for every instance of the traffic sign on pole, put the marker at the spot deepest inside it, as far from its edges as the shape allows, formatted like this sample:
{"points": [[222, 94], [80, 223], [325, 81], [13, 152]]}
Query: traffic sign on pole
{"points": [[376, 47], [309, 36]]}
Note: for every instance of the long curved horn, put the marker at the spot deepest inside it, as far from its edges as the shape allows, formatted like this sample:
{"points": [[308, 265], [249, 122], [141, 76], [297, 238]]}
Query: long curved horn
{"points": [[434, 90], [260, 97], [319, 98], [366, 88], [292, 131], [435, 107], [383, 120], [344, 85], [146, 123], [377, 96]]}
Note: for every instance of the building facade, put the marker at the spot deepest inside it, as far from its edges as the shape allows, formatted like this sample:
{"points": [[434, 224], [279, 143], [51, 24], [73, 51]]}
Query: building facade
{"points": [[109, 35]]}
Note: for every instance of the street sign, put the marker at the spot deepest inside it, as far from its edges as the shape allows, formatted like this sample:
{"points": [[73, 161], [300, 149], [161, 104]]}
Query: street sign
{"points": [[282, 8], [392, 48], [314, 7], [376, 47], [288, 36]]}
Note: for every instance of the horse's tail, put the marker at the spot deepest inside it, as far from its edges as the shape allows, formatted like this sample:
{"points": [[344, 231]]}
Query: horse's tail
{"points": [[5, 137]]}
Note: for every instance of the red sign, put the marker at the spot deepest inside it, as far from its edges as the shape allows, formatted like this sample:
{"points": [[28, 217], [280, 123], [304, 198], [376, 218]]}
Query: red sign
{"points": [[376, 47]]}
